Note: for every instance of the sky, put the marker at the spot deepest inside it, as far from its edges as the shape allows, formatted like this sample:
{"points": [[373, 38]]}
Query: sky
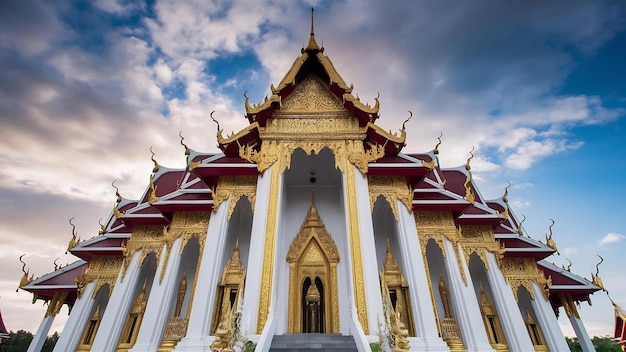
{"points": [[537, 88]]}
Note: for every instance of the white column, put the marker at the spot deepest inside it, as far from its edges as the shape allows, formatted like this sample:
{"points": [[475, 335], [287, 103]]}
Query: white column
{"points": [[371, 278], [199, 325], [510, 316], [42, 333], [415, 273], [114, 316], [547, 321], [160, 300], [464, 301], [581, 333], [75, 325], [254, 271]]}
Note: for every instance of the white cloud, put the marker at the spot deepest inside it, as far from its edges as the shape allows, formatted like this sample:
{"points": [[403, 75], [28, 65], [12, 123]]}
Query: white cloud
{"points": [[611, 238], [570, 250]]}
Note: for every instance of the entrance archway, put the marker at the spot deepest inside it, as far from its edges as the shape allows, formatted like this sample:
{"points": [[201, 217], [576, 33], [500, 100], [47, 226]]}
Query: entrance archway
{"points": [[313, 297]]}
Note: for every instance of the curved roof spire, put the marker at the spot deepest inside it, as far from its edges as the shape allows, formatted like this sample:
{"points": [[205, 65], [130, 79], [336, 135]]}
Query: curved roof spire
{"points": [[312, 46]]}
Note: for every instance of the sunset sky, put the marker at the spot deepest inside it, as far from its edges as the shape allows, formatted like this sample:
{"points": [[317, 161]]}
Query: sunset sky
{"points": [[87, 87]]}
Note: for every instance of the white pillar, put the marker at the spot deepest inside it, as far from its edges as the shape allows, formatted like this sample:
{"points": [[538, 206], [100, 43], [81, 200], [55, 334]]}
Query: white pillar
{"points": [[254, 271], [581, 333], [114, 316], [199, 325], [371, 279], [464, 301], [42, 333], [75, 325], [547, 321], [510, 316], [415, 273], [160, 301]]}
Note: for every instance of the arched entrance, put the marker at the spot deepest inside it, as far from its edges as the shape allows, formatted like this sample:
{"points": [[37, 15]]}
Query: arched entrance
{"points": [[313, 259]]}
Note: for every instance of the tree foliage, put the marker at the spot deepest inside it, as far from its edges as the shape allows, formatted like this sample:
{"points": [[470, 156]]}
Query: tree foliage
{"points": [[601, 344], [20, 340]]}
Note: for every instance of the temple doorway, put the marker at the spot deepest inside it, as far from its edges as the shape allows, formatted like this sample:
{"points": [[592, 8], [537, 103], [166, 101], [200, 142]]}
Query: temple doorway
{"points": [[313, 297]]}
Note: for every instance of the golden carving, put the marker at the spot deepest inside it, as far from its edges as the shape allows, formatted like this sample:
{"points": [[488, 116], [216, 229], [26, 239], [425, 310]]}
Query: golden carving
{"points": [[394, 280], [264, 158], [313, 254], [569, 305], [25, 280], [550, 241], [437, 225], [451, 333], [393, 320], [523, 272], [56, 303], [146, 239], [595, 278], [74, 240], [480, 239], [391, 188], [234, 187], [186, 225], [311, 95], [103, 269], [536, 335], [233, 277]]}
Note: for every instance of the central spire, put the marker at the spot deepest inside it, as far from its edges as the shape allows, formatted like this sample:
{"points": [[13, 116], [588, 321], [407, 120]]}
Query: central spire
{"points": [[312, 46]]}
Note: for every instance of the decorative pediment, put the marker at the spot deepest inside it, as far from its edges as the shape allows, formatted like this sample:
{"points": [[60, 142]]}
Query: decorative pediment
{"points": [[313, 228], [312, 95]]}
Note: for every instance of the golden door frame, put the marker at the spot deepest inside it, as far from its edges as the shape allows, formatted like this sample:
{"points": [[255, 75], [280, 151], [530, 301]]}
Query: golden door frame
{"points": [[313, 254]]}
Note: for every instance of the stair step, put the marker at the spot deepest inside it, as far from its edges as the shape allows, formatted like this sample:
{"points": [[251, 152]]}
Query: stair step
{"points": [[313, 342]]}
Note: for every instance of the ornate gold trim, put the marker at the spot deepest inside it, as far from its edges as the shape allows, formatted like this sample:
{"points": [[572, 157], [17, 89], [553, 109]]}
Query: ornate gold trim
{"points": [[233, 188], [101, 270], [355, 245], [523, 272], [391, 188], [313, 254]]}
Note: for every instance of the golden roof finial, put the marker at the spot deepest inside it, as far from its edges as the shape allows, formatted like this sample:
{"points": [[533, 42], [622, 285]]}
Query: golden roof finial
{"points": [[312, 46], [436, 150], [549, 241], [182, 142], [569, 266], [102, 227], [467, 163], [74, 240], [25, 280], [117, 191], [407, 120], [153, 188], [156, 165], [519, 226], [505, 197], [56, 266], [595, 279]]}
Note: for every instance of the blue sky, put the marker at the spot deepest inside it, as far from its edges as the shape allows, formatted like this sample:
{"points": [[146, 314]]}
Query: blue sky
{"points": [[86, 87]]}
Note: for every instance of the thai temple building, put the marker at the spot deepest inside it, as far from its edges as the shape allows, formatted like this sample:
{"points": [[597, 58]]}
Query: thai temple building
{"points": [[4, 333], [311, 220]]}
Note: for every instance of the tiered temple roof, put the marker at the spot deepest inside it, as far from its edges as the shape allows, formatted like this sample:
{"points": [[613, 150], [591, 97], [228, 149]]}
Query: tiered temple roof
{"points": [[192, 189]]}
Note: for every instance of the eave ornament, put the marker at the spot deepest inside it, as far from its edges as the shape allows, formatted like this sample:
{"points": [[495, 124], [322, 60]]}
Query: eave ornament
{"points": [[74, 240], [550, 241], [25, 280], [469, 193], [595, 278], [118, 214]]}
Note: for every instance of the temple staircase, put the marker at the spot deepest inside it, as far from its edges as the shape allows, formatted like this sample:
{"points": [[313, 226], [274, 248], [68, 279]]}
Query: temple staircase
{"points": [[313, 342]]}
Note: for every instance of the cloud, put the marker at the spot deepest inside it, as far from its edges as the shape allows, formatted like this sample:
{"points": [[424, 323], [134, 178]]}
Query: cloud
{"points": [[611, 238], [570, 250]]}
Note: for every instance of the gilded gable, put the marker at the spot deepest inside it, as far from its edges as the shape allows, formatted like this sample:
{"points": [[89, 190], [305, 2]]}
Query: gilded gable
{"points": [[311, 95]]}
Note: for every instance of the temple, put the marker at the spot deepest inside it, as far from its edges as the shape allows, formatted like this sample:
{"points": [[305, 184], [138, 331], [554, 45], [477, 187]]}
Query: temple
{"points": [[312, 221], [4, 333]]}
